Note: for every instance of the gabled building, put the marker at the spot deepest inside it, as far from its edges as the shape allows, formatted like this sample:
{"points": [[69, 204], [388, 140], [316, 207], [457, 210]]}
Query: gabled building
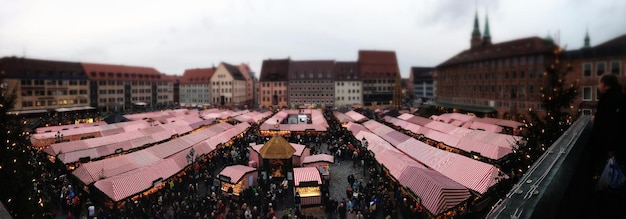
{"points": [[195, 87], [502, 79], [251, 80], [421, 83], [228, 86], [348, 84], [120, 87], [381, 78], [311, 83], [589, 63], [273, 83], [42, 85]]}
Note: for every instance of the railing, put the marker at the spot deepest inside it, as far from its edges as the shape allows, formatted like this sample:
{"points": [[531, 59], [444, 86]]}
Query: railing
{"points": [[556, 182]]}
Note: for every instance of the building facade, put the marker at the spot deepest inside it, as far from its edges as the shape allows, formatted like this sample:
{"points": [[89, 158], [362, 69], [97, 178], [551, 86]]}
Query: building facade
{"points": [[195, 87], [120, 87], [311, 83], [42, 85], [251, 80], [421, 84], [228, 86], [348, 84], [589, 63], [502, 79], [380, 74], [273, 83]]}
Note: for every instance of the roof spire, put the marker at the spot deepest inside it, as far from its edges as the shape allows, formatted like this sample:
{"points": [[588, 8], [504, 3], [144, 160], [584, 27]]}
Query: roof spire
{"points": [[587, 39], [476, 41], [476, 26], [487, 35]]}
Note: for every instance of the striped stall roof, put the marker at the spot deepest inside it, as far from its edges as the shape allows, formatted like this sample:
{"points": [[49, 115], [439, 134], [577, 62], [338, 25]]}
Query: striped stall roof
{"points": [[169, 148], [127, 184], [318, 158], [439, 192], [342, 118], [236, 172], [357, 117], [306, 174], [55, 129]]}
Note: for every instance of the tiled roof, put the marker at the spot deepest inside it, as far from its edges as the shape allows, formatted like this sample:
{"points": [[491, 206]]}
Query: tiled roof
{"points": [[274, 70], [523, 46], [613, 47], [618, 41], [197, 76], [346, 71], [245, 71], [121, 72], [422, 73], [234, 71], [373, 57], [16, 67], [315, 67], [378, 64]]}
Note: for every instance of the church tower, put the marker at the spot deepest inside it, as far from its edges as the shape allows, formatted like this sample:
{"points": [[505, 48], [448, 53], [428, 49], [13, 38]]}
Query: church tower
{"points": [[487, 36], [476, 41]]}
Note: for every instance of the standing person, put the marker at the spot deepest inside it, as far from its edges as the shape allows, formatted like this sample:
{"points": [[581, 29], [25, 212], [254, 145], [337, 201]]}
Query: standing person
{"points": [[608, 121], [297, 201]]}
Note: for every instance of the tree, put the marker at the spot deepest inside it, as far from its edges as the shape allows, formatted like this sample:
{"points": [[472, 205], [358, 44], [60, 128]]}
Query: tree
{"points": [[545, 127], [17, 162]]}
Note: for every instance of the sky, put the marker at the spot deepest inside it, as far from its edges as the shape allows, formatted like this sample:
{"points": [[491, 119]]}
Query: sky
{"points": [[172, 36]]}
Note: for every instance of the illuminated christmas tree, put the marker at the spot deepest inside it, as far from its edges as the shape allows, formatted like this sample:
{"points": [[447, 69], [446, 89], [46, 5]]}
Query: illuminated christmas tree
{"points": [[546, 126], [18, 174]]}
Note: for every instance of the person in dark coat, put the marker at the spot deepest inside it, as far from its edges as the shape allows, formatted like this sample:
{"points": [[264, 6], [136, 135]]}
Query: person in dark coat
{"points": [[608, 121]]}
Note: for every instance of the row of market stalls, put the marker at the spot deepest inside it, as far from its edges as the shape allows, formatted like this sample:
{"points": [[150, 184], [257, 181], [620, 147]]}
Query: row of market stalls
{"points": [[45, 136], [94, 148], [404, 155], [280, 123], [73, 134], [477, 123], [491, 145], [437, 193], [146, 171], [156, 147]]}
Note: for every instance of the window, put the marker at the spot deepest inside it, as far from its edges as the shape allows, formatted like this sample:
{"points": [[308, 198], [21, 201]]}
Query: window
{"points": [[615, 67], [587, 93], [600, 68], [587, 69]]}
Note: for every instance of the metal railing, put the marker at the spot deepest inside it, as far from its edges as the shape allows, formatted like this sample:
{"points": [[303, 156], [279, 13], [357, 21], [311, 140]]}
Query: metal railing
{"points": [[545, 190]]}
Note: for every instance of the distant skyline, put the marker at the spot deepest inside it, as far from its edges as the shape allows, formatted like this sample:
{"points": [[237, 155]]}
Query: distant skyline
{"points": [[173, 36]]}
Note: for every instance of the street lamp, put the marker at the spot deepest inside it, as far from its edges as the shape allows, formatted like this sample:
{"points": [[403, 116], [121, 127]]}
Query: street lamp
{"points": [[59, 136], [190, 157]]}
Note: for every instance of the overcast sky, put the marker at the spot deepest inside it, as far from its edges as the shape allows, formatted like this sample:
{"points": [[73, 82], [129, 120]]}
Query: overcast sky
{"points": [[172, 36]]}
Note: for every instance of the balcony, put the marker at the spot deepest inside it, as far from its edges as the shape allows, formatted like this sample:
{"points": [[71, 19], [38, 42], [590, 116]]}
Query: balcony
{"points": [[560, 183]]}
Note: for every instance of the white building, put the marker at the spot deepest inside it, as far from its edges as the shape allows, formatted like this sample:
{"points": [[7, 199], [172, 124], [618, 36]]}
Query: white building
{"points": [[228, 86], [348, 85], [195, 87]]}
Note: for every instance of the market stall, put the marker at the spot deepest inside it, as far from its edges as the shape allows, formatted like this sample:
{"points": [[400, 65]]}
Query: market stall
{"points": [[234, 179], [307, 182], [321, 162]]}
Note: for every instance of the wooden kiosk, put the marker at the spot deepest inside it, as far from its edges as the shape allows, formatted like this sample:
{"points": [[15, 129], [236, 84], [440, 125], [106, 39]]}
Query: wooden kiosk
{"points": [[307, 182], [237, 177]]}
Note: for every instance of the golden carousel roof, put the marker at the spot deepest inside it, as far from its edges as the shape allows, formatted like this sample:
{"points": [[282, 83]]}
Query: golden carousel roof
{"points": [[277, 148]]}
